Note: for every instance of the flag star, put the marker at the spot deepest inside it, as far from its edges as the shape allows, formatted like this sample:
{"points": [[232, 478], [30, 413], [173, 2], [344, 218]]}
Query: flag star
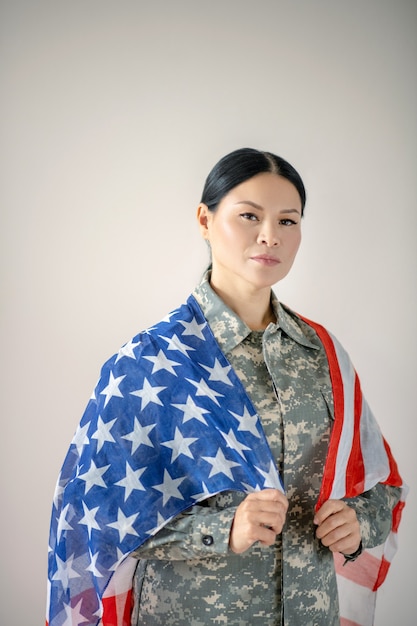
{"points": [[89, 519], [93, 476], [65, 571], [176, 344], [102, 433], [139, 435], [247, 422], [167, 318], [192, 411], [80, 438], [112, 388], [220, 465], [219, 372], [127, 350], [124, 524], [93, 566], [62, 523], [203, 495], [73, 615], [234, 443], [193, 328], [131, 480], [204, 390], [161, 362], [148, 393], [250, 489], [180, 445], [119, 558], [59, 490], [169, 488], [271, 477]]}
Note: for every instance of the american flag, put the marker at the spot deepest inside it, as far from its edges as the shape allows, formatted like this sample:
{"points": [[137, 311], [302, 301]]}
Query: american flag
{"points": [[170, 424]]}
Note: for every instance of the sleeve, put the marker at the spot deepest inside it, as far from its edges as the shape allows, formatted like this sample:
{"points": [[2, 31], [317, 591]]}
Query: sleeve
{"points": [[374, 512], [197, 533]]}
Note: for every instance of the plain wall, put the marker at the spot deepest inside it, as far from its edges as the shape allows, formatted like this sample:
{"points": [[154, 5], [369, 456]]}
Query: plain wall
{"points": [[112, 114]]}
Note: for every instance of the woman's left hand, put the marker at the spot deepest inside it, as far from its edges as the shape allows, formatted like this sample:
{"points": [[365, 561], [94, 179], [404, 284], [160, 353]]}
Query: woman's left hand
{"points": [[338, 527]]}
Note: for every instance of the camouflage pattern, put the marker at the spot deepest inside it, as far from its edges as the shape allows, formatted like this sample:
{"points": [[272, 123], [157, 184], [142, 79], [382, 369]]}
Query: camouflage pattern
{"points": [[186, 573]]}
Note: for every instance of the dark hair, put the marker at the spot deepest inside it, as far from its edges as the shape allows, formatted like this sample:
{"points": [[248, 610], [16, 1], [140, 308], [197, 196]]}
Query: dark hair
{"points": [[242, 164]]}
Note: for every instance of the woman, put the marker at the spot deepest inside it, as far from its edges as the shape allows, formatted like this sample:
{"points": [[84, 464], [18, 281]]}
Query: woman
{"points": [[227, 462]]}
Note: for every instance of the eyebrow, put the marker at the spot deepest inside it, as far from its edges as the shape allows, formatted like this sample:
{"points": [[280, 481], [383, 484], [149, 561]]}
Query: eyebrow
{"points": [[260, 208]]}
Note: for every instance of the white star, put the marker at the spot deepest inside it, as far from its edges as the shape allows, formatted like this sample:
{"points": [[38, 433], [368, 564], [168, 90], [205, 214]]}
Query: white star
{"points": [[62, 523], [220, 465], [112, 388], [59, 490], [203, 495], [247, 422], [127, 350], [124, 525], [191, 411], [139, 435], [74, 616], [167, 318], [102, 433], [176, 344], [204, 390], [161, 362], [93, 476], [65, 571], [131, 480], [169, 488], [180, 445], [93, 566], [250, 489], [89, 519], [148, 393], [80, 438], [218, 372], [119, 558], [193, 328], [271, 477], [234, 444]]}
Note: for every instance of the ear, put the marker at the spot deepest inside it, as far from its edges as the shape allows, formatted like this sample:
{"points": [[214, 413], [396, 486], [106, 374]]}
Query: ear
{"points": [[203, 219]]}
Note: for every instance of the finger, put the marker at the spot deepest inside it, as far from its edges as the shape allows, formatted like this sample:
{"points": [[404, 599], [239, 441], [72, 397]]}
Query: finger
{"points": [[330, 507]]}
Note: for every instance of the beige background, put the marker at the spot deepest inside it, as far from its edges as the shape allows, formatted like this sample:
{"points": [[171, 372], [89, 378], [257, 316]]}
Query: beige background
{"points": [[112, 114]]}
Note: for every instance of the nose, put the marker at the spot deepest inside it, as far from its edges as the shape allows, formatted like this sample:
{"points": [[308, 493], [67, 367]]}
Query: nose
{"points": [[268, 235]]}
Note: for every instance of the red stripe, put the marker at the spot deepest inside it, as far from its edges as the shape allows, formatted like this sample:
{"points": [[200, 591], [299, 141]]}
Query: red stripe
{"points": [[339, 408], [364, 571], [116, 608], [394, 477], [396, 515], [348, 622], [355, 471], [382, 574]]}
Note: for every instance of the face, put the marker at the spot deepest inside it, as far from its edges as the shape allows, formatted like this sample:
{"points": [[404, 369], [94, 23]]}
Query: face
{"points": [[254, 233]]}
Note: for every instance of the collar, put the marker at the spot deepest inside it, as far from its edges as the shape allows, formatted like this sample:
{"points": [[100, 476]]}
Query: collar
{"points": [[230, 330]]}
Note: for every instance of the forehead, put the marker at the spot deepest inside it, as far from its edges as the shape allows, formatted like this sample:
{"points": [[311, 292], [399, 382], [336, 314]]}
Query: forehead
{"points": [[266, 190]]}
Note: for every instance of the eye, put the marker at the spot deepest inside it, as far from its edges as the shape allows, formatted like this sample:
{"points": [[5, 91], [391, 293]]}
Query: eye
{"points": [[286, 221], [249, 216]]}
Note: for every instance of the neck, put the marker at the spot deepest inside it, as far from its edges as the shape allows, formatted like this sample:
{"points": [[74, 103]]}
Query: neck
{"points": [[253, 309]]}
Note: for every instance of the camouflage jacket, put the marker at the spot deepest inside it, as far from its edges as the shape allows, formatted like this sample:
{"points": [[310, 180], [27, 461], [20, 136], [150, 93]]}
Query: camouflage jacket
{"points": [[186, 573]]}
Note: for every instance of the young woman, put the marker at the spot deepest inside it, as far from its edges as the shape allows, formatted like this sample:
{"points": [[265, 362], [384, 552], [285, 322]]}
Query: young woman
{"points": [[227, 469]]}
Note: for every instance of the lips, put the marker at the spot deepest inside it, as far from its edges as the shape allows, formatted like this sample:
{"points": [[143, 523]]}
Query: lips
{"points": [[266, 259]]}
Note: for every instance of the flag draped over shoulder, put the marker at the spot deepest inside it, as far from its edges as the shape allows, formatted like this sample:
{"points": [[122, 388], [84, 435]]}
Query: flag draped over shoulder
{"points": [[169, 425], [358, 459]]}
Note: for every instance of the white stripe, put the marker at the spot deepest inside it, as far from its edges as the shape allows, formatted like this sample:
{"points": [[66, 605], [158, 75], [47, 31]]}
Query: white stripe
{"points": [[356, 603], [346, 438], [374, 455]]}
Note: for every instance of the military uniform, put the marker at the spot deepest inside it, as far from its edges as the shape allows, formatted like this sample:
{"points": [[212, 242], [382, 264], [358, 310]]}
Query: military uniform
{"points": [[187, 575]]}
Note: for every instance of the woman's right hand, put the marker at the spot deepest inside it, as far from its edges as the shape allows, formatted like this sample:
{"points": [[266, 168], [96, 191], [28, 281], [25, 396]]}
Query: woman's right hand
{"points": [[260, 517]]}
